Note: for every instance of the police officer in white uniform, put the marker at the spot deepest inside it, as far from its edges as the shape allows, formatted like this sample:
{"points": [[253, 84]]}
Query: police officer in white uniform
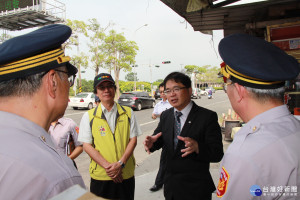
{"points": [[263, 162], [35, 77], [62, 131]]}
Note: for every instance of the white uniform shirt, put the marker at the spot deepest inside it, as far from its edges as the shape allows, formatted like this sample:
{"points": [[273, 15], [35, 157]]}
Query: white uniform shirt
{"points": [[265, 152], [161, 106], [30, 166], [60, 133], [85, 133]]}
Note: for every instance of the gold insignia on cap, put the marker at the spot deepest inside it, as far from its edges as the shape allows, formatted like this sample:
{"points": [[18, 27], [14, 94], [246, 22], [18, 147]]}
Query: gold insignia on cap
{"points": [[254, 128], [43, 138], [246, 78], [224, 72], [63, 59], [34, 61]]}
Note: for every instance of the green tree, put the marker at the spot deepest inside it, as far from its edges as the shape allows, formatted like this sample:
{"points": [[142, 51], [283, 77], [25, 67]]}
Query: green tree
{"points": [[4, 37], [120, 54], [126, 86], [211, 75], [143, 86], [196, 70], [96, 47], [131, 76], [81, 59], [190, 69], [87, 85]]}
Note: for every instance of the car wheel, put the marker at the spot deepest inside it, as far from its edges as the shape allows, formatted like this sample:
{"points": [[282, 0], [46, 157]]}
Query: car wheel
{"points": [[153, 104], [139, 107], [90, 106], [75, 108], [205, 93]]}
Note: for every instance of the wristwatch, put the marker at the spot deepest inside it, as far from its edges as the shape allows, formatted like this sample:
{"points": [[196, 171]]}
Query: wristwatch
{"points": [[121, 163]]}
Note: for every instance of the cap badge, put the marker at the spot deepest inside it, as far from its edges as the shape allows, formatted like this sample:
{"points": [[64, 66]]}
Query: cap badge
{"points": [[101, 77]]}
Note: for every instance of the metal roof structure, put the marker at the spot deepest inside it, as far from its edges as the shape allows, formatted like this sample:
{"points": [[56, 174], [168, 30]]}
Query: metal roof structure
{"points": [[252, 18], [29, 14]]}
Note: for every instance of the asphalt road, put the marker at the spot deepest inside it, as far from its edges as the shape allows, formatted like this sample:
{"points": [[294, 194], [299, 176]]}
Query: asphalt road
{"points": [[149, 163]]}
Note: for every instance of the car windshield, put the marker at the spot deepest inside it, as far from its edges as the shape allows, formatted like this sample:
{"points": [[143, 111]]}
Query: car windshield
{"points": [[82, 95], [126, 95]]}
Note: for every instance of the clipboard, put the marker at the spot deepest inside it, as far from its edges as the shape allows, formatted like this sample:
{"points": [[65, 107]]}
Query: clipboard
{"points": [[70, 145]]}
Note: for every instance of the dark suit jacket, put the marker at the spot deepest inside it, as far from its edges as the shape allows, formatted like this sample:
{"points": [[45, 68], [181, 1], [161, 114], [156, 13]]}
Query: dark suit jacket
{"points": [[189, 177]]}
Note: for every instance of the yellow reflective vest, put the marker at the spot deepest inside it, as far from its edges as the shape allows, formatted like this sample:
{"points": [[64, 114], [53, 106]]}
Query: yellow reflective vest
{"points": [[111, 146]]}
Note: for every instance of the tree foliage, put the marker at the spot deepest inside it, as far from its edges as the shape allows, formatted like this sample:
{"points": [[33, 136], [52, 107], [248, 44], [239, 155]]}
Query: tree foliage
{"points": [[87, 85], [112, 51], [78, 28], [131, 76], [4, 37], [127, 86], [120, 54], [204, 74], [96, 47], [81, 59]]}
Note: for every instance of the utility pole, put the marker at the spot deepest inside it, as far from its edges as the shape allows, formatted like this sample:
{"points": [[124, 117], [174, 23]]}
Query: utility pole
{"points": [[134, 76], [78, 64]]}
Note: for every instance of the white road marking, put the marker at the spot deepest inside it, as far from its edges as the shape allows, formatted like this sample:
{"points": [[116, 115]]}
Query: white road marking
{"points": [[78, 113], [153, 121], [217, 103], [148, 123], [74, 114]]}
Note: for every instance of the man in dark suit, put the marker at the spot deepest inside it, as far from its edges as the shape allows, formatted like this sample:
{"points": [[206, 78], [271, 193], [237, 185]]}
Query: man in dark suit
{"points": [[191, 137]]}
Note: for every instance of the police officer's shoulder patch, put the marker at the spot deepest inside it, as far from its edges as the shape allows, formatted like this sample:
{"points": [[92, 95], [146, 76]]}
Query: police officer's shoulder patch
{"points": [[223, 182]]}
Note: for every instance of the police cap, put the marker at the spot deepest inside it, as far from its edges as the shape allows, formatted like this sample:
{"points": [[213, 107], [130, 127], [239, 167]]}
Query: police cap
{"points": [[35, 52], [256, 63]]}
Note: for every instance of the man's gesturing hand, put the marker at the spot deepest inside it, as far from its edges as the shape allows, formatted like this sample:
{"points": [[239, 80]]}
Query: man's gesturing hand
{"points": [[148, 143], [191, 146]]}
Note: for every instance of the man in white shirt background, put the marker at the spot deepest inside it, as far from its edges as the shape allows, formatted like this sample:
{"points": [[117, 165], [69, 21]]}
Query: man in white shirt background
{"points": [[162, 105], [158, 109]]}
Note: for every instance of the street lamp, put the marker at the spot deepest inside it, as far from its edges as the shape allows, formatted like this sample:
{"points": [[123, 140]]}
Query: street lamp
{"points": [[134, 66], [140, 28]]}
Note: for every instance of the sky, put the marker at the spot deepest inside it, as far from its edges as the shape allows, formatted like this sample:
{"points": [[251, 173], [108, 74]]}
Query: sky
{"points": [[167, 36]]}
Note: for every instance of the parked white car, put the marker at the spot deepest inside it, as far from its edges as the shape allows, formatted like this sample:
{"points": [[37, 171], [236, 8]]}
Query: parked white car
{"points": [[82, 100], [196, 93], [203, 92]]}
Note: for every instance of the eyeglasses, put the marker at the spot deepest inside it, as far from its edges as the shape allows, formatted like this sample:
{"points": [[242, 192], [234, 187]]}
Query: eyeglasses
{"points": [[71, 78], [175, 90], [228, 82], [103, 87]]}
